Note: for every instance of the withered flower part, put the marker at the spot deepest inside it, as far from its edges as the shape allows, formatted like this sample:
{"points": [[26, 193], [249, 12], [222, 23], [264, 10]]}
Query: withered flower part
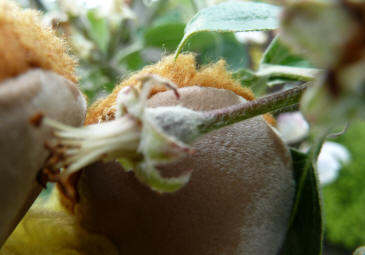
{"points": [[133, 138]]}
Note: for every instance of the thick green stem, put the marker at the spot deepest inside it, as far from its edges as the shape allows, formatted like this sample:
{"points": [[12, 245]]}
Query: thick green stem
{"points": [[222, 117]]}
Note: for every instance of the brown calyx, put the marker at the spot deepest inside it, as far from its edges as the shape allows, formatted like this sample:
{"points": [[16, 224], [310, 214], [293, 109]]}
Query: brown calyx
{"points": [[26, 44], [182, 72]]}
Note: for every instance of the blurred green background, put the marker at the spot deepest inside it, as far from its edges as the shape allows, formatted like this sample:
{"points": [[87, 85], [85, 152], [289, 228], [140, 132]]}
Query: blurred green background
{"points": [[344, 198], [113, 38]]}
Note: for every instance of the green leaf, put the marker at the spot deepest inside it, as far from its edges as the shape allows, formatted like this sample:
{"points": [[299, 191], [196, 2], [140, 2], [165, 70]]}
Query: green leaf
{"points": [[288, 72], [279, 54], [165, 36], [211, 47], [98, 30], [166, 31], [232, 16], [305, 234], [249, 79], [279, 64], [133, 61]]}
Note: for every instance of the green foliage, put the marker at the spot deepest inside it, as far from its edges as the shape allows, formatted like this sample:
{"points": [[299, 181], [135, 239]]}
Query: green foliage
{"points": [[305, 233], [212, 47], [279, 54], [166, 32], [165, 36], [98, 30], [344, 199], [232, 17], [277, 66], [280, 65]]}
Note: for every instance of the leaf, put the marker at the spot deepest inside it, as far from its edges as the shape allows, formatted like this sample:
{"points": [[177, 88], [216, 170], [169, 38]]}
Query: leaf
{"points": [[165, 36], [288, 72], [305, 234], [249, 79], [211, 47], [232, 16], [98, 30], [133, 61], [279, 64], [279, 54], [166, 31]]}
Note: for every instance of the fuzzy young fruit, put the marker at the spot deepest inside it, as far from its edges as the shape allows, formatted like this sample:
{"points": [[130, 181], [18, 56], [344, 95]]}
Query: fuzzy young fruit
{"points": [[23, 100], [36, 79], [238, 200]]}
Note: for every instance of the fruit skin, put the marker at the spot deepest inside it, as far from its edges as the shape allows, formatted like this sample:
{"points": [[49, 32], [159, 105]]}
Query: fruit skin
{"points": [[237, 202], [22, 153], [34, 66]]}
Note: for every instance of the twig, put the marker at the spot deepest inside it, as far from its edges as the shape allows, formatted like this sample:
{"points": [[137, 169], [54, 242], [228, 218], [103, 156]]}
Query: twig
{"points": [[223, 117]]}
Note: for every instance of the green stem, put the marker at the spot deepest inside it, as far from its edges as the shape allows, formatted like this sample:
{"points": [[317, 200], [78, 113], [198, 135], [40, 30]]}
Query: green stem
{"points": [[297, 73], [222, 117]]}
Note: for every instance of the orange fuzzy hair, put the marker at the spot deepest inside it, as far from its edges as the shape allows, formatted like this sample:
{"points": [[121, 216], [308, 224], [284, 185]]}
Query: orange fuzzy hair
{"points": [[183, 73], [26, 44]]}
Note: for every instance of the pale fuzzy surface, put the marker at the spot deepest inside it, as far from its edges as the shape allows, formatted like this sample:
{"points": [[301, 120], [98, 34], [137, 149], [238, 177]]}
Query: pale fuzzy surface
{"points": [[176, 121], [22, 151], [185, 119], [26, 44], [238, 201]]}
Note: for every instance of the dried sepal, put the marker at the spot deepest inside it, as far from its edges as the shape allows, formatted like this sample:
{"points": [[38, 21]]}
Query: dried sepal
{"points": [[133, 137]]}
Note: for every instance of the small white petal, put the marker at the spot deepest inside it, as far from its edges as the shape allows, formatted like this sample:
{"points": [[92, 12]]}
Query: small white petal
{"points": [[330, 159], [292, 126]]}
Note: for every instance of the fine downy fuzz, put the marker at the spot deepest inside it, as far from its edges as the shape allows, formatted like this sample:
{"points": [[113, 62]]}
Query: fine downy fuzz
{"points": [[237, 201], [143, 138]]}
